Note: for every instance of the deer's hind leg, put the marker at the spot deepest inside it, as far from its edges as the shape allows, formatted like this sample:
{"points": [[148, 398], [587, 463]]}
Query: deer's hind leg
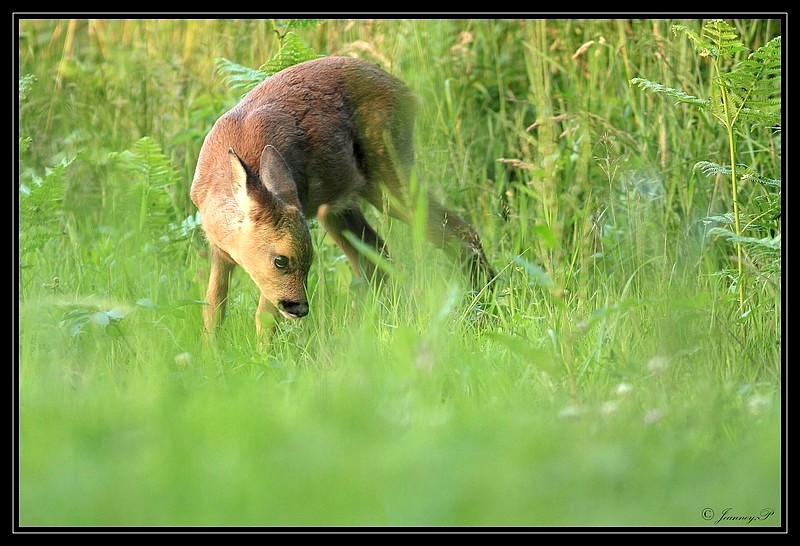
{"points": [[443, 227], [353, 221], [460, 240]]}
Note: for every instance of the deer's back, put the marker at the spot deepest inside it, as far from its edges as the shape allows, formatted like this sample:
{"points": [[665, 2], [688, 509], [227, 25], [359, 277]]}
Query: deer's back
{"points": [[327, 117]]}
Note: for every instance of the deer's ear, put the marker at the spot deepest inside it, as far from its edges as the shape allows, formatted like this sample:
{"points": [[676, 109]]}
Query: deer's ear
{"points": [[251, 195], [239, 180], [277, 177]]}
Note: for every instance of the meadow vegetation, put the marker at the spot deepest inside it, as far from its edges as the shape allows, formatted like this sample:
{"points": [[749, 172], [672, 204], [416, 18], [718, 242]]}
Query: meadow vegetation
{"points": [[626, 371]]}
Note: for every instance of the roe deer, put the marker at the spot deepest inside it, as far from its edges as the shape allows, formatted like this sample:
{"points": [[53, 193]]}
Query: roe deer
{"points": [[313, 139]]}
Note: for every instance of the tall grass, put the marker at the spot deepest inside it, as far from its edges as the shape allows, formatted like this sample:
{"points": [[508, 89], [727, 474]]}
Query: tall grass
{"points": [[611, 381]]}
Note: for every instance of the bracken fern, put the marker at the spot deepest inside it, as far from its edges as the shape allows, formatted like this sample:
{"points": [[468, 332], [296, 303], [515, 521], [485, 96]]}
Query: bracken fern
{"points": [[40, 197], [154, 179], [40, 208], [748, 95], [292, 50]]}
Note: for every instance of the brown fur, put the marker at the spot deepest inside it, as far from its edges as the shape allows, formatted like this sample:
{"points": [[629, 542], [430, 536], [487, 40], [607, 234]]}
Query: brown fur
{"points": [[312, 140]]}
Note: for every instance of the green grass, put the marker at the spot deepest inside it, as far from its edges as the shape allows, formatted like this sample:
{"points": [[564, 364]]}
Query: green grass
{"points": [[611, 381]]}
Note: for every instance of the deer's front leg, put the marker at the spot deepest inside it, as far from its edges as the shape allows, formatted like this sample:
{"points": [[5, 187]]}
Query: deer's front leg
{"points": [[217, 292], [268, 313]]}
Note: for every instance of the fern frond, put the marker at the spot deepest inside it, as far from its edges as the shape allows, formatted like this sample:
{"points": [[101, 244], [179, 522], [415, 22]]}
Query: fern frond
{"points": [[298, 23], [770, 243], [765, 253], [764, 114], [749, 175], [292, 52], [701, 45], [726, 218], [24, 144], [237, 76], [746, 173], [711, 169], [769, 53], [153, 180], [754, 86], [146, 159], [40, 215], [718, 39], [669, 91], [25, 84], [770, 182], [723, 38]]}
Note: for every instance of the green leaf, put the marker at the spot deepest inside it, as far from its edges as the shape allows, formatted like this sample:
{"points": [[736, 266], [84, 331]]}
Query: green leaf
{"points": [[293, 51], [186, 229], [75, 320], [655, 87], [116, 314], [77, 325], [101, 318], [237, 76], [147, 303]]}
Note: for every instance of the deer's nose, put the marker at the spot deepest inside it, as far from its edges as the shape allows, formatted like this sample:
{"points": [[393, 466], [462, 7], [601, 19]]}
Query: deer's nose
{"points": [[295, 308]]}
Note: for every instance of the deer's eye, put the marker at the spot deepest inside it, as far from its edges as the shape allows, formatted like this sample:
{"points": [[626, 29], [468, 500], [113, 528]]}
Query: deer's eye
{"points": [[281, 262]]}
